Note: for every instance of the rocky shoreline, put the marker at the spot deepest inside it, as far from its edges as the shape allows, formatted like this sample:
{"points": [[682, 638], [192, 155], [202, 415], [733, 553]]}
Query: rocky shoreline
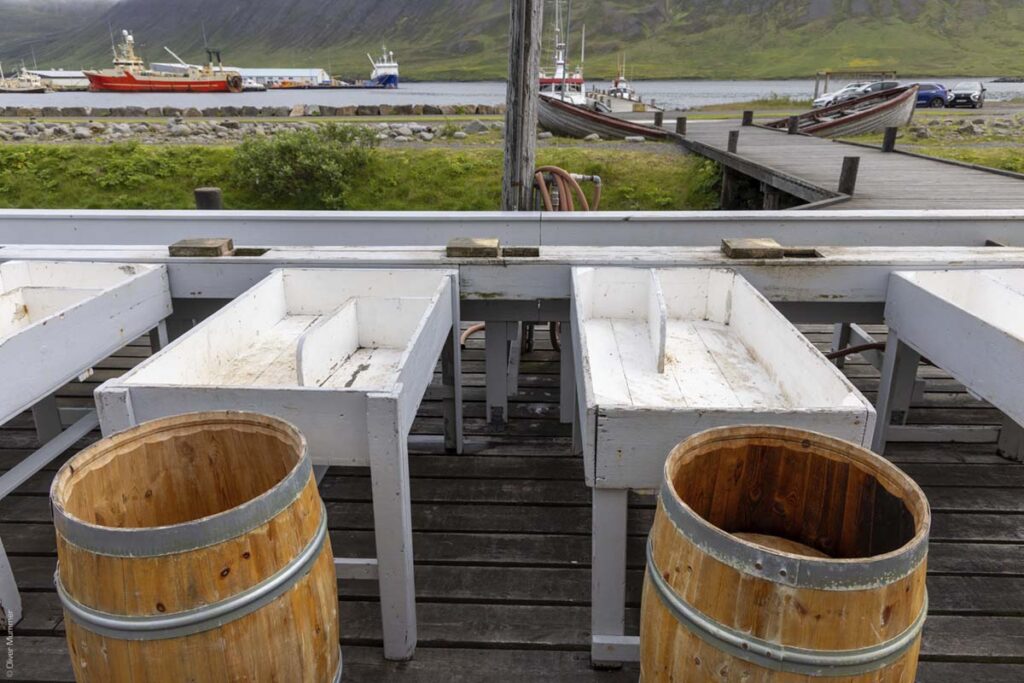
{"points": [[221, 131], [296, 111]]}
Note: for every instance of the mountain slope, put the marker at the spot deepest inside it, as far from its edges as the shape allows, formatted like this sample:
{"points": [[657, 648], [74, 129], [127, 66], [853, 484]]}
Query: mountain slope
{"points": [[467, 38]]}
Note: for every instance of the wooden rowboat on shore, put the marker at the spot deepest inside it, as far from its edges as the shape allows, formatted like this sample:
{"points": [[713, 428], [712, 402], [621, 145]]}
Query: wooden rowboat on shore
{"points": [[563, 118], [869, 114]]}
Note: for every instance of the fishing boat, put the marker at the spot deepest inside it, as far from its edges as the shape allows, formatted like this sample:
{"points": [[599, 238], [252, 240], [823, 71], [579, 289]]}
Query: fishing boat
{"points": [[622, 97], [571, 120], [130, 74], [892, 108], [24, 83], [561, 83]]}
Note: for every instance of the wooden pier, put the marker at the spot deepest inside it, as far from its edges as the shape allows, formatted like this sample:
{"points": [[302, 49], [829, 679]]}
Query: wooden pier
{"points": [[502, 539], [809, 169]]}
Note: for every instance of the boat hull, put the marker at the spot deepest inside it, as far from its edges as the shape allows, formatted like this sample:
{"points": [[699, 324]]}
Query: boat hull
{"points": [[569, 120], [129, 82], [892, 109], [22, 91]]}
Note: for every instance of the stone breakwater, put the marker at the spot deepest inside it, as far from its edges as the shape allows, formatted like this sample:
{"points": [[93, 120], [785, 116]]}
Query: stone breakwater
{"points": [[296, 111], [180, 130]]}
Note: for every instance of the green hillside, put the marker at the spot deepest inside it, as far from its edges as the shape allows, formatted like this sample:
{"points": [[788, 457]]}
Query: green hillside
{"points": [[466, 39]]}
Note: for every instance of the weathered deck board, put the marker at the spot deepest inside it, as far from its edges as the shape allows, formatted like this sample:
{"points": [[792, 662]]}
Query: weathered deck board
{"points": [[502, 540], [885, 181]]}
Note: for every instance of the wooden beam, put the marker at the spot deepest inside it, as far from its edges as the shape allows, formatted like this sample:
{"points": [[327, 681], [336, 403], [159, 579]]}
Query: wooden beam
{"points": [[521, 115]]}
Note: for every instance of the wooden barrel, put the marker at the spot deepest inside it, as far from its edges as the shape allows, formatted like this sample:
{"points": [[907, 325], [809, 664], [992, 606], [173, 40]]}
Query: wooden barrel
{"points": [[783, 555], [195, 548]]}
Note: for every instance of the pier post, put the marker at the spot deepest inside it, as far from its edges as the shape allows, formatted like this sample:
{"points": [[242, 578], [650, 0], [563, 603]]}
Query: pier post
{"points": [[748, 117], [209, 199], [734, 141], [848, 176], [794, 125], [521, 112], [681, 125], [889, 142], [729, 199], [659, 119]]}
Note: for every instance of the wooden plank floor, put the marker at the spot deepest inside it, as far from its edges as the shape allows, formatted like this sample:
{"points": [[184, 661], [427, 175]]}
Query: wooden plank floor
{"points": [[885, 181], [502, 542]]}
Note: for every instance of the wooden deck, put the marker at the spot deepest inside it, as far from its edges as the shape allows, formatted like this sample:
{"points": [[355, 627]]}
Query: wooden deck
{"points": [[503, 542], [885, 181]]}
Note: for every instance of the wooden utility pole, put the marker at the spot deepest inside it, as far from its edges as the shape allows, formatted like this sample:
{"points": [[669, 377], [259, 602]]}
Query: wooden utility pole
{"points": [[521, 114]]}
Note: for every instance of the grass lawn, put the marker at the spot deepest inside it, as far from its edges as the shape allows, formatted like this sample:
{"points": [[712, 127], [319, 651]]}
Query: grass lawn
{"points": [[458, 178]]}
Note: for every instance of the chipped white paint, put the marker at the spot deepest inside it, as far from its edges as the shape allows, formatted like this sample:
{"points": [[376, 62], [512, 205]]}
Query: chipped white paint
{"points": [[56, 321], [662, 354], [346, 356], [970, 323]]}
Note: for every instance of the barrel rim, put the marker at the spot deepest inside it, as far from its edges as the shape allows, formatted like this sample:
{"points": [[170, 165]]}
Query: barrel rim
{"points": [[196, 533], [779, 566]]}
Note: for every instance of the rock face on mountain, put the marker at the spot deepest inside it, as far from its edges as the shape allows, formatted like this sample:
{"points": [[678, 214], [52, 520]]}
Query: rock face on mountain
{"points": [[466, 38]]}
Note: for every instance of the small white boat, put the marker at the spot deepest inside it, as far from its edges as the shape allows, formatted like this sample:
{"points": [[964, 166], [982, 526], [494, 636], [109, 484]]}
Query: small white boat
{"points": [[622, 97], [24, 83]]}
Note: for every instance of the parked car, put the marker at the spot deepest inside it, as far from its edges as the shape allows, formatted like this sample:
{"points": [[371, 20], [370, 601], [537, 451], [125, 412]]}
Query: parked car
{"points": [[934, 95], [830, 98], [968, 94]]}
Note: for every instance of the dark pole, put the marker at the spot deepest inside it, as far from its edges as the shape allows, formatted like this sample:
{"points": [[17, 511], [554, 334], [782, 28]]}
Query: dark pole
{"points": [[734, 140], [848, 176], [794, 125], [889, 142], [659, 119], [748, 118], [521, 114], [681, 125], [209, 199]]}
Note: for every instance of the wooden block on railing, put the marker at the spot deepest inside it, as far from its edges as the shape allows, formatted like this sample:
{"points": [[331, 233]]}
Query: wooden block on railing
{"points": [[753, 248], [202, 247], [473, 247]]}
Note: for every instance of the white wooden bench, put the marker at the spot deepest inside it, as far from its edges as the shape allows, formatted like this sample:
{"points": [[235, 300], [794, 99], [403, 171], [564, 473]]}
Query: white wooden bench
{"points": [[970, 323], [58, 320], [344, 355], [662, 354]]}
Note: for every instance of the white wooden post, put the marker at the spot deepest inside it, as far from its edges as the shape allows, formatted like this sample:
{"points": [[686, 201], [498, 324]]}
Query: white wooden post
{"points": [[114, 406], [158, 338], [896, 389], [496, 370], [515, 351], [1011, 440], [392, 515], [608, 574]]}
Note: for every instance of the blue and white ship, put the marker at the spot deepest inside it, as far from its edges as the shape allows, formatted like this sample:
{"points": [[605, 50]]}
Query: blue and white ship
{"points": [[385, 71]]}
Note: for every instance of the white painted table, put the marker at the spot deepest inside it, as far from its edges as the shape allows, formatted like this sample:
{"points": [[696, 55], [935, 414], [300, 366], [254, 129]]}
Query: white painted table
{"points": [[344, 355], [57, 320], [970, 323], [662, 354]]}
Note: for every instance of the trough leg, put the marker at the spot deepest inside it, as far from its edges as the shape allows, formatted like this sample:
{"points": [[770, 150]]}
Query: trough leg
{"points": [[158, 337], [451, 378], [10, 600], [515, 350], [567, 368], [1011, 440], [840, 340], [496, 367], [896, 389], [46, 416], [608, 575], [392, 525]]}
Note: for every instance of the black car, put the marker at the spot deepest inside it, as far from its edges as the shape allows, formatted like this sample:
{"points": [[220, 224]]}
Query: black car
{"points": [[968, 94]]}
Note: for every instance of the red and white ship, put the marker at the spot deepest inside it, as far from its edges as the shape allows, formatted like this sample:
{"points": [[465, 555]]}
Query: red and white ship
{"points": [[563, 84], [131, 75]]}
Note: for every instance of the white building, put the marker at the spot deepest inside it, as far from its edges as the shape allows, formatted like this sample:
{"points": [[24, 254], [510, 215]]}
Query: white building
{"points": [[59, 79], [267, 77]]}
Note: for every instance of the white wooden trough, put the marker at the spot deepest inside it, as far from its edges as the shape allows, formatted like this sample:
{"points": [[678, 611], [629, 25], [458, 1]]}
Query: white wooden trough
{"points": [[662, 354], [970, 323], [57, 320], [344, 355]]}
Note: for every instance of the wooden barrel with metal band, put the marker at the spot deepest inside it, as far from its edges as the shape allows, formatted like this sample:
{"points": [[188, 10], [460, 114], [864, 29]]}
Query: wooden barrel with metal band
{"points": [[195, 548], [783, 555]]}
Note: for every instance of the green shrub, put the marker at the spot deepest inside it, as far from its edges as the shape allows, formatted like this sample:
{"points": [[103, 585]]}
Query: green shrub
{"points": [[309, 169]]}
